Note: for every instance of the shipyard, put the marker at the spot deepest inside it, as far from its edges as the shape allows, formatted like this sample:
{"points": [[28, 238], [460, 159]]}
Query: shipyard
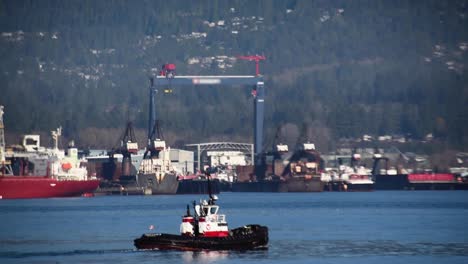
{"points": [[236, 167], [290, 131]]}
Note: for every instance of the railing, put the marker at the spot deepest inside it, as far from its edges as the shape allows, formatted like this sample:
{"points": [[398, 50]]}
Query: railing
{"points": [[217, 218]]}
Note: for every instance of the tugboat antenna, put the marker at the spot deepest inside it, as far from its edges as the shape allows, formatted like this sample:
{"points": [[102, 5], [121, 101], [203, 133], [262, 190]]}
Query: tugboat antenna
{"points": [[188, 210], [209, 187]]}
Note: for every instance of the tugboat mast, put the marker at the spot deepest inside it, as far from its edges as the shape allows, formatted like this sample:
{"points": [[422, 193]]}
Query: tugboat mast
{"points": [[210, 194]]}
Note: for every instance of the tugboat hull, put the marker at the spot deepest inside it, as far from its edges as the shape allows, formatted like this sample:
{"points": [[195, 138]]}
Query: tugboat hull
{"points": [[249, 237]]}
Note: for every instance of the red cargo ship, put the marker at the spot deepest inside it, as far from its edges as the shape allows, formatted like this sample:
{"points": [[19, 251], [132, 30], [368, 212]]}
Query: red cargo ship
{"points": [[37, 172], [32, 171]]}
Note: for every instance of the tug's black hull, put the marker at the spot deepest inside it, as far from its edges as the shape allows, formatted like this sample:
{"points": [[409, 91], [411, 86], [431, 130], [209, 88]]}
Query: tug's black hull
{"points": [[243, 238]]}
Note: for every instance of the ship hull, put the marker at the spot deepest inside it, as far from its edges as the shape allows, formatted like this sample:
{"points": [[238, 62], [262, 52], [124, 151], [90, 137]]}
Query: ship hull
{"points": [[391, 182], [249, 237], [111, 169], [461, 186], [198, 187], [341, 186], [302, 184], [437, 181], [296, 184], [359, 187], [158, 185], [260, 186], [21, 187], [433, 186]]}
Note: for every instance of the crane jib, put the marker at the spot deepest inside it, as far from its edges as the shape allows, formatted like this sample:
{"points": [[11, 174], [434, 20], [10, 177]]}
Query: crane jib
{"points": [[209, 80]]}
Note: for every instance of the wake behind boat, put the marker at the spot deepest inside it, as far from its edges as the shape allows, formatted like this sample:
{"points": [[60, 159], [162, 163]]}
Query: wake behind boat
{"points": [[206, 230]]}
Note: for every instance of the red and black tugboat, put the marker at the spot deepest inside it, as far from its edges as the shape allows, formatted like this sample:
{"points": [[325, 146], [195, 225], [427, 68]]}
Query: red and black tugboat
{"points": [[207, 230]]}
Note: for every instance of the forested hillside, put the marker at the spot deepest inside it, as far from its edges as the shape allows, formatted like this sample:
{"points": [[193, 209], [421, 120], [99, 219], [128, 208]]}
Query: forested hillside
{"points": [[338, 68]]}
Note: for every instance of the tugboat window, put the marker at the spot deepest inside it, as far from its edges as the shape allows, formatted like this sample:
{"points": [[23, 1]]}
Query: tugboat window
{"points": [[213, 210]]}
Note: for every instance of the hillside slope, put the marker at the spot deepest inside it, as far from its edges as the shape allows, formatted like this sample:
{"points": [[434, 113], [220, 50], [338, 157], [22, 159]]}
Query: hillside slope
{"points": [[341, 68]]}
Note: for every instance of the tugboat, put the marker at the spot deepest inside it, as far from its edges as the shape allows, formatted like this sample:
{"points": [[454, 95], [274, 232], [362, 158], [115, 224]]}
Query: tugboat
{"points": [[207, 230]]}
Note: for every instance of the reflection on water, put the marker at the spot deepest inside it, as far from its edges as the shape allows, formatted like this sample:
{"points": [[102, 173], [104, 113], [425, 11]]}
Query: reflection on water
{"points": [[16, 254], [283, 249], [204, 256]]}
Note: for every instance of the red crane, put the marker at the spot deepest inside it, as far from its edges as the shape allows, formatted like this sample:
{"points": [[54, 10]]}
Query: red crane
{"points": [[168, 70], [255, 58]]}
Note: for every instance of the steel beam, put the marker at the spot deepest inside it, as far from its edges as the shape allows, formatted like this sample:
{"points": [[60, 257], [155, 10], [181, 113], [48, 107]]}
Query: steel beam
{"points": [[259, 108], [208, 80], [152, 111]]}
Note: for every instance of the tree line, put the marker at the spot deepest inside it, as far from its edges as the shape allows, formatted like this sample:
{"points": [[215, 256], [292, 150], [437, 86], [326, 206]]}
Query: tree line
{"points": [[342, 68]]}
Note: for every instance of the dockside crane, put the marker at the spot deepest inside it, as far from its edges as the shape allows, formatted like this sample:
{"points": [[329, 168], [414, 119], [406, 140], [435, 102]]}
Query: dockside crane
{"points": [[127, 146], [155, 142], [277, 153]]}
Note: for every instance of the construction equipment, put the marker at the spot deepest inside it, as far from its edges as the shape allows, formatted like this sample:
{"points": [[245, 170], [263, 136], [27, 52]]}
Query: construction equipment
{"points": [[155, 142], [256, 58], [249, 80], [168, 70], [128, 146], [128, 143]]}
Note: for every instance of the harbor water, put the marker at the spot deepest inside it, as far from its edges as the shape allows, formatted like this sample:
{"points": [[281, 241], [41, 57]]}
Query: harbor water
{"points": [[330, 227]]}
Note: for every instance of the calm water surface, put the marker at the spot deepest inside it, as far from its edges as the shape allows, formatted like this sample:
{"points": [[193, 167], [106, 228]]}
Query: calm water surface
{"points": [[382, 226]]}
